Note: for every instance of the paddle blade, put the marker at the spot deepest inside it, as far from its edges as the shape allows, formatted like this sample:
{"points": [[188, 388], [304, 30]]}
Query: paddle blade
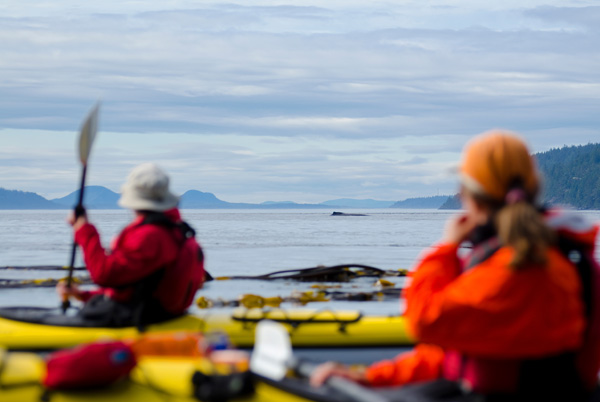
{"points": [[272, 350], [88, 133]]}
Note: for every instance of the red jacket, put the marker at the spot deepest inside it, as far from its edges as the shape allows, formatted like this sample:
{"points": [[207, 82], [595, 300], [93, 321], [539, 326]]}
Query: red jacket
{"points": [[491, 313], [140, 250]]}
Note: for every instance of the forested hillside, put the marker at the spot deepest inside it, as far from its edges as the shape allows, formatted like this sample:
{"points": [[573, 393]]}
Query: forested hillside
{"points": [[571, 176]]}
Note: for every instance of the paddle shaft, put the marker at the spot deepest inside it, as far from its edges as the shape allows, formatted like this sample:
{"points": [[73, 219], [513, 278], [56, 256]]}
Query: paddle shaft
{"points": [[78, 212], [354, 391]]}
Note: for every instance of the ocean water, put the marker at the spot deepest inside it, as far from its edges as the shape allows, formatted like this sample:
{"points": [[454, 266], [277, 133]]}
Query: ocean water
{"points": [[241, 242]]}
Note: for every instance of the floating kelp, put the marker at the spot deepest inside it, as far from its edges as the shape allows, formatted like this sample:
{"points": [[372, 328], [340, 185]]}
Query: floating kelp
{"points": [[39, 283], [40, 268], [335, 273], [299, 298]]}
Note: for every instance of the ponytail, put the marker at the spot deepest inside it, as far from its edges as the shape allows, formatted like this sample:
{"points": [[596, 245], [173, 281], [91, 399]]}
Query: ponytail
{"points": [[521, 226]]}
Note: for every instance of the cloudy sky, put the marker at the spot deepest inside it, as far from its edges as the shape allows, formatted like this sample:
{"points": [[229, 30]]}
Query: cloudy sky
{"points": [[299, 100]]}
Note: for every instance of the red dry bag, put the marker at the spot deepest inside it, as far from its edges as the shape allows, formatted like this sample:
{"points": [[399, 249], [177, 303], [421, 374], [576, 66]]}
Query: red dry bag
{"points": [[89, 366]]}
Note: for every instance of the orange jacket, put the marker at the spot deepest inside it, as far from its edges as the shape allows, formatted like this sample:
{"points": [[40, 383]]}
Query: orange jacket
{"points": [[490, 311]]}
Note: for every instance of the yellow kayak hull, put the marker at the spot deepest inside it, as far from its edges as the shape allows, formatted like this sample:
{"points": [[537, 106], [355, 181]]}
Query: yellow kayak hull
{"points": [[316, 328], [307, 329]]}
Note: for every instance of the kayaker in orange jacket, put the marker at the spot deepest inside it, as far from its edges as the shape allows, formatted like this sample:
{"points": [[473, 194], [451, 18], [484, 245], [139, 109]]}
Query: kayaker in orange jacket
{"points": [[511, 316]]}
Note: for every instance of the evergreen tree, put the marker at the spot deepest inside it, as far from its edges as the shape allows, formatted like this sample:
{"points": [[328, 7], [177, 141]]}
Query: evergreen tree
{"points": [[571, 176]]}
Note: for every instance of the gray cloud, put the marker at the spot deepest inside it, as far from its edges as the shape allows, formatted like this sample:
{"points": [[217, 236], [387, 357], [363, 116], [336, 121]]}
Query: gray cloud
{"points": [[337, 71], [577, 17]]}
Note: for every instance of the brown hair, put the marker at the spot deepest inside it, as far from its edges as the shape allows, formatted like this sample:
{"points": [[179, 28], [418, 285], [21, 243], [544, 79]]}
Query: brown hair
{"points": [[520, 225]]}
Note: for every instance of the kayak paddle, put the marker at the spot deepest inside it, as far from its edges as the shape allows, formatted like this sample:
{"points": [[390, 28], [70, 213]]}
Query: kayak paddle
{"points": [[273, 356], [86, 139]]}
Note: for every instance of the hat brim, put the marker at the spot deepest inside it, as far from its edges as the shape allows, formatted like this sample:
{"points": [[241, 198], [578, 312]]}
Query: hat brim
{"points": [[135, 202]]}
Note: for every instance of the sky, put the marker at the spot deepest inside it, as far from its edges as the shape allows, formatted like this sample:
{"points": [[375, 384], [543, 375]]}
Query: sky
{"points": [[289, 100]]}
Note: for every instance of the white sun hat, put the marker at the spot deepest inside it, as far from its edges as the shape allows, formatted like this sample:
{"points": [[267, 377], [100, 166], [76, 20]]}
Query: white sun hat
{"points": [[147, 189]]}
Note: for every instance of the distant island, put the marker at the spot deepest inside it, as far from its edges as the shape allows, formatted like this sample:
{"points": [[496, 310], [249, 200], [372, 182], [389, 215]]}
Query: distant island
{"points": [[98, 197], [352, 203], [14, 199], [434, 202], [571, 177]]}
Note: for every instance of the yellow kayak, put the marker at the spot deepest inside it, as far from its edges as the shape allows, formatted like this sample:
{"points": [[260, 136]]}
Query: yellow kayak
{"points": [[23, 329], [158, 379], [154, 379]]}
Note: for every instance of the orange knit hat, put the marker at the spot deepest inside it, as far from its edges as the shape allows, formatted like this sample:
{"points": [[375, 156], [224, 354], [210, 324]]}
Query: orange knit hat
{"points": [[494, 161]]}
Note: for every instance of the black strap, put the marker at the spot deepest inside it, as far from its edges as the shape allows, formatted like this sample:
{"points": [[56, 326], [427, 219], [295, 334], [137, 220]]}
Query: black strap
{"points": [[482, 252], [160, 219], [551, 378], [581, 258]]}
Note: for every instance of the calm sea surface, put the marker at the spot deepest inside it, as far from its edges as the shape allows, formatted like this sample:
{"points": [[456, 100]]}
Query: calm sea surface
{"points": [[240, 242]]}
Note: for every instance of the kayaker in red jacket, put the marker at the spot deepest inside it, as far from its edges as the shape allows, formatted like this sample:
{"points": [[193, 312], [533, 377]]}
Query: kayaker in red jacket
{"points": [[512, 320], [154, 264]]}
